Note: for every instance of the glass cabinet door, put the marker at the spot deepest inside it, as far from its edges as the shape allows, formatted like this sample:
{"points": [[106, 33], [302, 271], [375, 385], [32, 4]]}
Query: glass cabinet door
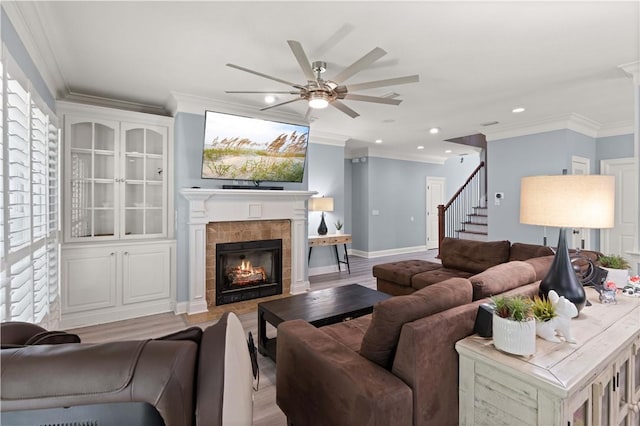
{"points": [[603, 398], [91, 184], [144, 180], [622, 394]]}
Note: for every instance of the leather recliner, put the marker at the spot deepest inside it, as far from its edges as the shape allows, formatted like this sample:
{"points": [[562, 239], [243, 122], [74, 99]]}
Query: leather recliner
{"points": [[188, 378]]}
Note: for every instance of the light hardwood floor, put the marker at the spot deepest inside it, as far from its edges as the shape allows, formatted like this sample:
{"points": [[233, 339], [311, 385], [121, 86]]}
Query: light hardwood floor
{"points": [[266, 412]]}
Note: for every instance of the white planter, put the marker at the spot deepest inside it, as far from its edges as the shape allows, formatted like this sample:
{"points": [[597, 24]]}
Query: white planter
{"points": [[514, 337], [618, 276], [339, 231]]}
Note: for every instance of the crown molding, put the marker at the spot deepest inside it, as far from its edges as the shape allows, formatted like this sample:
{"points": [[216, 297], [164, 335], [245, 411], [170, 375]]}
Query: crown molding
{"points": [[392, 155], [616, 129], [633, 70], [573, 121], [81, 98], [326, 138], [194, 104], [28, 23]]}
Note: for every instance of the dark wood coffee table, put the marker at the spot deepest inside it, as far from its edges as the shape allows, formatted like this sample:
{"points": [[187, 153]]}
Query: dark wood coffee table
{"points": [[321, 307]]}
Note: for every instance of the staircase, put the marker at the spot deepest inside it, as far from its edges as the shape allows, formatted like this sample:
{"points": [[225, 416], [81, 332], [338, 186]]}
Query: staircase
{"points": [[465, 216], [476, 226]]}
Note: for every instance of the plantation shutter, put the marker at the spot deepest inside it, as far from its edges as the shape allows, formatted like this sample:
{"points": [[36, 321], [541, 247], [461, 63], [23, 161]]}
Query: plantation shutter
{"points": [[29, 275]]}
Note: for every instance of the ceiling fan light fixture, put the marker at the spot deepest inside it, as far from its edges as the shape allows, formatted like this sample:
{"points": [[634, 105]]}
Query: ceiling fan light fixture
{"points": [[318, 100]]}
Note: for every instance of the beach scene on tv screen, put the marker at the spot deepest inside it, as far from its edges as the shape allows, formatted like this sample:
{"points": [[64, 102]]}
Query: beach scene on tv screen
{"points": [[251, 149]]}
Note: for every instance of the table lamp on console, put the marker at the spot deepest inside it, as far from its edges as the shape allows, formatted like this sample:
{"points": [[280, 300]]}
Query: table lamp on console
{"points": [[567, 201], [321, 204]]}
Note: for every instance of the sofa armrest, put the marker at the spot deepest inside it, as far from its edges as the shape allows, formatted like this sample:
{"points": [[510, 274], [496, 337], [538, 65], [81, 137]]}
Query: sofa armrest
{"points": [[321, 381]]}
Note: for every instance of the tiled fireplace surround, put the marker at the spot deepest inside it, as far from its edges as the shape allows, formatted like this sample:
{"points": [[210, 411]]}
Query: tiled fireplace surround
{"points": [[228, 215]]}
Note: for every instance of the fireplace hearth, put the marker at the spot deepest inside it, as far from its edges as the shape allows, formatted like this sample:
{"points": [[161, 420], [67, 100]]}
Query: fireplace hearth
{"points": [[248, 270]]}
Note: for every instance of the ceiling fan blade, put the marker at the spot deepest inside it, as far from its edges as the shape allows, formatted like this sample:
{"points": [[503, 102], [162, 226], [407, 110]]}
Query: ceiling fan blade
{"points": [[342, 107], [307, 116], [281, 103], [383, 83], [302, 59], [375, 99], [270, 92], [279, 80], [359, 65]]}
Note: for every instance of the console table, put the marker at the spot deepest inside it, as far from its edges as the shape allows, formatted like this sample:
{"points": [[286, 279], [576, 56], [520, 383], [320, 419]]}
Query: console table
{"points": [[593, 382], [332, 240]]}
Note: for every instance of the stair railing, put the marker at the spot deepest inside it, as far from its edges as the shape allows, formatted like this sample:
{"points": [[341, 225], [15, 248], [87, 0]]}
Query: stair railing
{"points": [[471, 194]]}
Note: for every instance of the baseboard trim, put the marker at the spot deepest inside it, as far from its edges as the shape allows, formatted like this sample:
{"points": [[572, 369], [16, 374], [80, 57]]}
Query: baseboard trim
{"points": [[181, 308], [389, 252], [320, 270], [296, 289], [84, 319]]}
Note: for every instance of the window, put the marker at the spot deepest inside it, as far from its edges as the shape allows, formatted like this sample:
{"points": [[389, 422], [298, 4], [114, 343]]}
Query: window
{"points": [[29, 200]]}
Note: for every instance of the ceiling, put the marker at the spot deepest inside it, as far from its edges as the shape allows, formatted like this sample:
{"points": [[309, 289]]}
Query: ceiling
{"points": [[476, 60]]}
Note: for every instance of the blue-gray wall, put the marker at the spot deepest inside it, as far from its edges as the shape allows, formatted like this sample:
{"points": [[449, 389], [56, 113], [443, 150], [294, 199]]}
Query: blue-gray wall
{"points": [[538, 154], [19, 53], [396, 190], [326, 176], [613, 147]]}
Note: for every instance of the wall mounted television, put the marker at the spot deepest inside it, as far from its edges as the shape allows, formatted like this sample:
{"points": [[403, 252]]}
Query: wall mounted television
{"points": [[244, 148]]}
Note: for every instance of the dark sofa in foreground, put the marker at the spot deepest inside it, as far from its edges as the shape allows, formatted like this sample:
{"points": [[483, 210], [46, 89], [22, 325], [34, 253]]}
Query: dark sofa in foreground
{"points": [[398, 365], [187, 378]]}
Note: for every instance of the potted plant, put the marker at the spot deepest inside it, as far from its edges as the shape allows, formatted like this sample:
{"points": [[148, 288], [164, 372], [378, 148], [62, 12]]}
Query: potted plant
{"points": [[617, 269], [514, 326], [338, 226], [545, 312]]}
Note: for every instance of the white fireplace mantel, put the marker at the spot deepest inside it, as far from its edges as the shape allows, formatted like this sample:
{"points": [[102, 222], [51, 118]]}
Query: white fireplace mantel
{"points": [[231, 205]]}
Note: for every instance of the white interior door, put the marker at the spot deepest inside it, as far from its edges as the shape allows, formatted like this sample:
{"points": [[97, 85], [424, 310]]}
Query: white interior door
{"points": [[621, 238], [580, 237], [435, 196]]}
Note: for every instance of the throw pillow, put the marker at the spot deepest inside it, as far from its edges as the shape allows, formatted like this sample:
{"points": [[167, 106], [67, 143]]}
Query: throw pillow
{"points": [[473, 256], [381, 339], [501, 278]]}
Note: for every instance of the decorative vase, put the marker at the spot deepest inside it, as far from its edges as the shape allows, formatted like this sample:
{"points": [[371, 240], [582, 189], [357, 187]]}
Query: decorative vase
{"points": [[618, 276], [562, 277], [322, 229], [514, 337]]}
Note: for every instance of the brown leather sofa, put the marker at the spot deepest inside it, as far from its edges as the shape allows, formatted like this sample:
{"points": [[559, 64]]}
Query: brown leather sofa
{"points": [[398, 365], [460, 258], [189, 378]]}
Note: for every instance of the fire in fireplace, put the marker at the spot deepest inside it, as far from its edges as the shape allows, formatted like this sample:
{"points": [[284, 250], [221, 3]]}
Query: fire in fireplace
{"points": [[248, 270]]}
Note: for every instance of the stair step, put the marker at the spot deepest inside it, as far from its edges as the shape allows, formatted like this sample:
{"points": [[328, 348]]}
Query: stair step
{"points": [[475, 227], [481, 210], [476, 218], [475, 236]]}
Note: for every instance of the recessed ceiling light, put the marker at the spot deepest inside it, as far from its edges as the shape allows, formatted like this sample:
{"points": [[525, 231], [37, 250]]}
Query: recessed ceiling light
{"points": [[378, 140], [420, 147], [434, 130], [269, 99], [448, 151], [517, 110]]}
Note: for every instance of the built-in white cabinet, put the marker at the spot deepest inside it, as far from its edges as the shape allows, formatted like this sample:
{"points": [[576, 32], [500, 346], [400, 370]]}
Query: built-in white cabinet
{"points": [[593, 382], [118, 255]]}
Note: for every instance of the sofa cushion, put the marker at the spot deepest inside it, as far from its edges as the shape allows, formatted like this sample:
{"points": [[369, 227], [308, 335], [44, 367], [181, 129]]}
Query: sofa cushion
{"points": [[349, 333], [401, 272], [521, 251], [540, 265], [380, 340], [501, 278], [473, 256], [425, 279]]}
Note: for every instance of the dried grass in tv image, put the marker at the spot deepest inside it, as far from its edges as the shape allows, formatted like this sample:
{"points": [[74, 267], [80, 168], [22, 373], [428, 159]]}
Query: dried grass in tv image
{"points": [[249, 156]]}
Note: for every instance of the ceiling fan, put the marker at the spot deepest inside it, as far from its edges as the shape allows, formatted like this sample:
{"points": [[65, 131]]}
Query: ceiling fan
{"points": [[320, 93]]}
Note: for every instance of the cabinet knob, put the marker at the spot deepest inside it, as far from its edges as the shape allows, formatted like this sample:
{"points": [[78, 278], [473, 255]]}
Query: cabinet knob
{"points": [[112, 253], [126, 252]]}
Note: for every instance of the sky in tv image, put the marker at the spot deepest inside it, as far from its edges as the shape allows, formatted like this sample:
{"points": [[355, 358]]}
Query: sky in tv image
{"points": [[252, 149]]}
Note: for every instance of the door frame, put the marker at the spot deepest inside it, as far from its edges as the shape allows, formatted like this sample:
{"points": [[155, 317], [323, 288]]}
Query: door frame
{"points": [[581, 234], [433, 244]]}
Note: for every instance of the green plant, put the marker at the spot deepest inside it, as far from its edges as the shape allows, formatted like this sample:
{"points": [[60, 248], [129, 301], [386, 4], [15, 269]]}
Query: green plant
{"points": [[543, 309], [515, 308], [338, 225], [613, 261]]}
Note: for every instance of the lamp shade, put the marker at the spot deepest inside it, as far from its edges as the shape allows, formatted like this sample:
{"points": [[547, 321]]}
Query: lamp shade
{"points": [[571, 201], [321, 204]]}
